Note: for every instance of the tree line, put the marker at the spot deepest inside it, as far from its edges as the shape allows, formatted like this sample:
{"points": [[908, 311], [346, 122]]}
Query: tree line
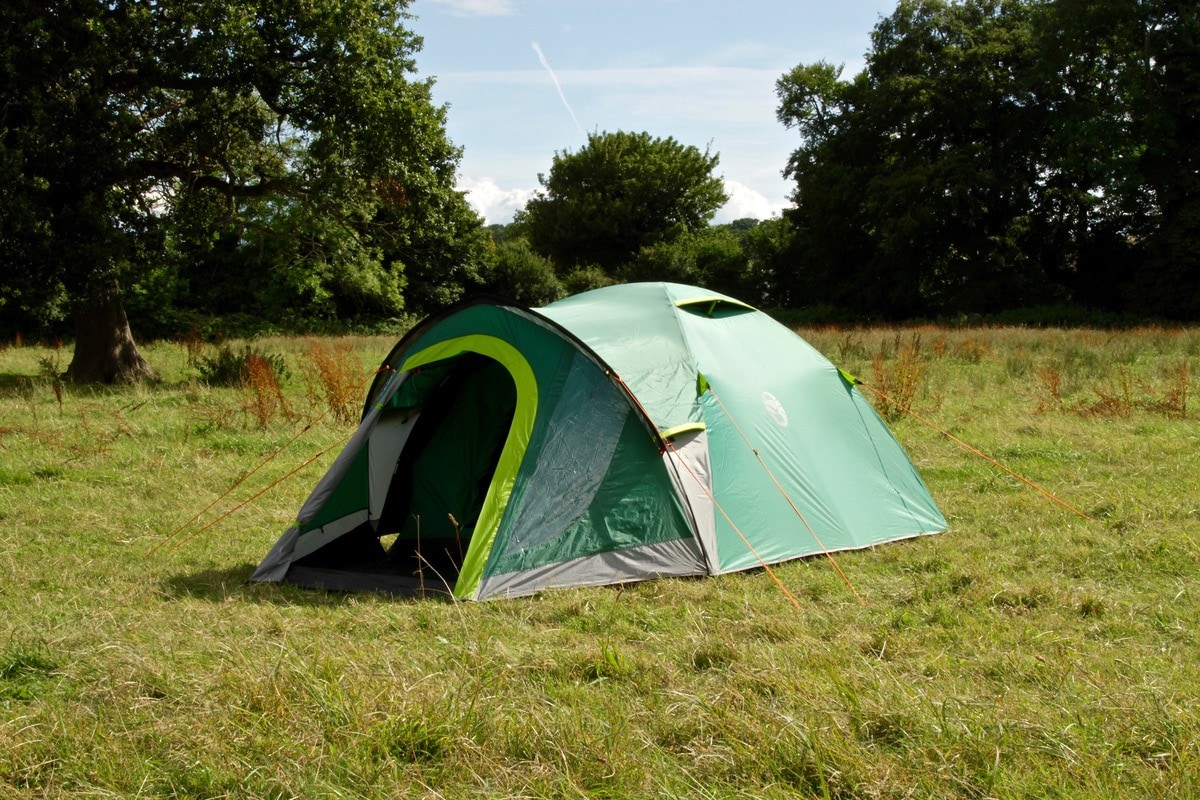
{"points": [[996, 153], [220, 165]]}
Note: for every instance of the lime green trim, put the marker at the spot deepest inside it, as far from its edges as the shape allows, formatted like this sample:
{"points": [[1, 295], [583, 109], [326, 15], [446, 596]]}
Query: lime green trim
{"points": [[712, 301], [515, 445], [671, 433], [848, 378]]}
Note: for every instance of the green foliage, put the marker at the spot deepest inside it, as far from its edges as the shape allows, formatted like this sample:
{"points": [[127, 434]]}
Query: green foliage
{"points": [[744, 259], [673, 260], [1164, 42], [1000, 153], [617, 194], [767, 244], [517, 273], [434, 238], [583, 279], [712, 257], [229, 367], [223, 157]]}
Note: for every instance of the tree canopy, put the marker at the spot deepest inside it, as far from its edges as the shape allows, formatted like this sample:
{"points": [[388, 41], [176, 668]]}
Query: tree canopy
{"points": [[276, 160], [274, 146], [618, 193], [1001, 152]]}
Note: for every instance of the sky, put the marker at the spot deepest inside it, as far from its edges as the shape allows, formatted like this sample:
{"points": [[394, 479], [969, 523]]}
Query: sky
{"points": [[526, 79]]}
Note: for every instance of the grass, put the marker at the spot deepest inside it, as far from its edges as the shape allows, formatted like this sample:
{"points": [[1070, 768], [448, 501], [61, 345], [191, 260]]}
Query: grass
{"points": [[1026, 653]]}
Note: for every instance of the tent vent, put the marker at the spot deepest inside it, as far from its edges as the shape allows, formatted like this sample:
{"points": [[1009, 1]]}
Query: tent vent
{"points": [[713, 306]]}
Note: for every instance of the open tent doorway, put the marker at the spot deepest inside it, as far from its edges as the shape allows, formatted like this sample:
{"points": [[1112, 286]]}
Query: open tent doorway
{"points": [[435, 450], [438, 488]]}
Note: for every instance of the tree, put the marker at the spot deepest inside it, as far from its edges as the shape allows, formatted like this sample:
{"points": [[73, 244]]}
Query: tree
{"points": [[135, 132], [435, 238], [1093, 212], [942, 121], [617, 194], [1166, 114], [768, 247], [997, 153], [831, 252]]}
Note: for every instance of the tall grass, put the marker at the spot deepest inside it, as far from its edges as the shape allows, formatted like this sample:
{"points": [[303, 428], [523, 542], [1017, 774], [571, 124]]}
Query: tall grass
{"points": [[1025, 653], [899, 373], [337, 378]]}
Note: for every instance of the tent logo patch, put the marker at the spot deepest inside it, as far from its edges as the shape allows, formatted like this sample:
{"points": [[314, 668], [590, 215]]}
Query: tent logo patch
{"points": [[775, 409]]}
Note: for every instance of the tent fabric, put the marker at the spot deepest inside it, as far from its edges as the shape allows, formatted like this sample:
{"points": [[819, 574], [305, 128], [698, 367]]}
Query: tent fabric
{"points": [[627, 433]]}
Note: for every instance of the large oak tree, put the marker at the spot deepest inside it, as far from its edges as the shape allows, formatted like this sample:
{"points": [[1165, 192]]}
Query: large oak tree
{"points": [[123, 123]]}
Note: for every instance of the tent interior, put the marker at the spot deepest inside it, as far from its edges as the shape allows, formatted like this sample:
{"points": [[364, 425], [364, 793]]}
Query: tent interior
{"points": [[436, 447]]}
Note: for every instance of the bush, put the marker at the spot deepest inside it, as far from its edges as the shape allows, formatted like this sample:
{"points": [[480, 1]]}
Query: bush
{"points": [[519, 274], [585, 279], [673, 261], [712, 258], [231, 368]]}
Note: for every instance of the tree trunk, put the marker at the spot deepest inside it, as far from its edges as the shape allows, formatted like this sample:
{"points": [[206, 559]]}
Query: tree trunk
{"points": [[104, 348]]}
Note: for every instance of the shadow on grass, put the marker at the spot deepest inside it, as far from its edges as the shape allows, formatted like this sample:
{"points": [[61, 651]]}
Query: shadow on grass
{"points": [[233, 583], [41, 385], [210, 584], [13, 384]]}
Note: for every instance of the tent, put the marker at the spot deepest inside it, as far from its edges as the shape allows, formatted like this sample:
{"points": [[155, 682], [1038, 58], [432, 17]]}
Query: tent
{"points": [[630, 432]]}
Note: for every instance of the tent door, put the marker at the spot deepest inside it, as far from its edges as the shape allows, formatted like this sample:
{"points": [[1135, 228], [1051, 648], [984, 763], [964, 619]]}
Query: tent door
{"points": [[443, 473]]}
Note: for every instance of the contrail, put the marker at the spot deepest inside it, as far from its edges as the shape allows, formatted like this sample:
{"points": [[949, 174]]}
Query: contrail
{"points": [[557, 85]]}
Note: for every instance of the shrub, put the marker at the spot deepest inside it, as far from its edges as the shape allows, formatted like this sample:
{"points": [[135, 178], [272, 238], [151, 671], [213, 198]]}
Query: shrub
{"points": [[232, 368], [518, 273], [899, 378], [263, 396], [585, 279]]}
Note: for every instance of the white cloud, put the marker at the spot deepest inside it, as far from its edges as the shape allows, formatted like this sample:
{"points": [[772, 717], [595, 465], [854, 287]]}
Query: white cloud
{"points": [[477, 8], [746, 202], [494, 204], [497, 205]]}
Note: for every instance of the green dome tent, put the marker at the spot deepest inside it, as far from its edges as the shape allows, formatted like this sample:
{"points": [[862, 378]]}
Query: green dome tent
{"points": [[627, 433]]}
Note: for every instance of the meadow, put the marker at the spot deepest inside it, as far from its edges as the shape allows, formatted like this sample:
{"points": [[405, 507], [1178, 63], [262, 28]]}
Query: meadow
{"points": [[1027, 652]]}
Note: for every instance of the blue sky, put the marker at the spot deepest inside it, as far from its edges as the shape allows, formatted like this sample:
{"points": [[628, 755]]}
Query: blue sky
{"points": [[525, 79]]}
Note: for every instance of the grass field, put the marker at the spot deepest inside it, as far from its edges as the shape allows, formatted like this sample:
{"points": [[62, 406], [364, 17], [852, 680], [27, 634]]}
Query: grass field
{"points": [[1026, 653]]}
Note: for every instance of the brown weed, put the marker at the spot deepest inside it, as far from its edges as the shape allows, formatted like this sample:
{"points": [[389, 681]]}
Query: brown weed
{"points": [[263, 398], [336, 379], [899, 378]]}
